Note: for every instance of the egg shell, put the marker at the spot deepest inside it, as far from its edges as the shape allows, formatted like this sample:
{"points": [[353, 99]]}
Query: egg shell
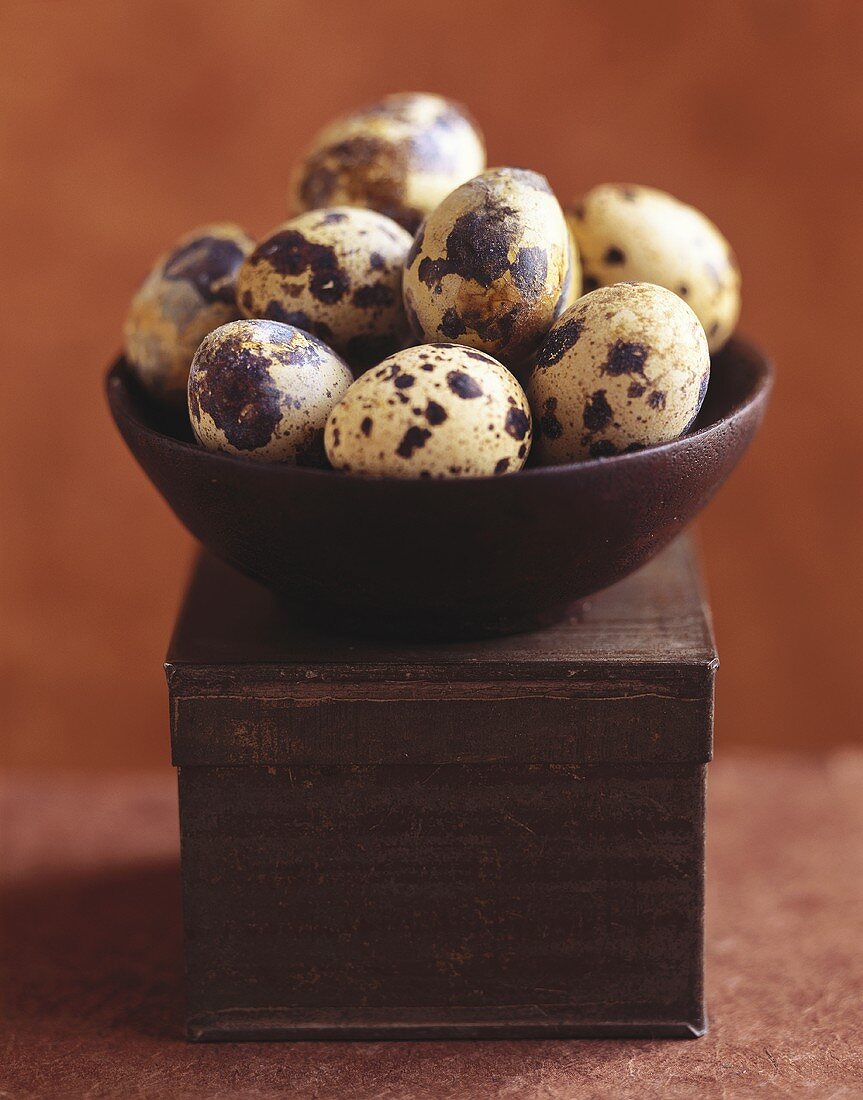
{"points": [[400, 156], [625, 231], [264, 390], [336, 273], [572, 287], [189, 292], [625, 367], [432, 411], [491, 266]]}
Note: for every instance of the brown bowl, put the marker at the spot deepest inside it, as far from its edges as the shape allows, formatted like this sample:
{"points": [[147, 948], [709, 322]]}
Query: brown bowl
{"points": [[454, 558]]}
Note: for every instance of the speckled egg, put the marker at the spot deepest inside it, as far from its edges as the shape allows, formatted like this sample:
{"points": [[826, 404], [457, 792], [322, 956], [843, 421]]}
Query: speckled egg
{"points": [[573, 288], [491, 266], [628, 232], [189, 292], [336, 273], [264, 390], [436, 410], [400, 156], [626, 367]]}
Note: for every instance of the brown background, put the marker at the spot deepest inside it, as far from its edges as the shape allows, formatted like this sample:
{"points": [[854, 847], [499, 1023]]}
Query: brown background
{"points": [[125, 124]]}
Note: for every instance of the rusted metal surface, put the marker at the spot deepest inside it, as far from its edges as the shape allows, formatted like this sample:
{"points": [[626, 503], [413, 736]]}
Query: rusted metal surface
{"points": [[453, 558], [499, 838]]}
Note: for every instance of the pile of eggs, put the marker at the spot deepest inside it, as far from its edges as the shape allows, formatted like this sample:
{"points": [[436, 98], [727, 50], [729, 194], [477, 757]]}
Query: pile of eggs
{"points": [[424, 316]]}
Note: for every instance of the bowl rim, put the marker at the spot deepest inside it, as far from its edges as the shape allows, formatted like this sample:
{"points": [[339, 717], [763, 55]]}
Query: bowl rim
{"points": [[761, 388]]}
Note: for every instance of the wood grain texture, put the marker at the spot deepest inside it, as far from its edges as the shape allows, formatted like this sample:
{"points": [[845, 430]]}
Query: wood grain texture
{"points": [[628, 678], [443, 900], [500, 838], [93, 971], [123, 124], [656, 617]]}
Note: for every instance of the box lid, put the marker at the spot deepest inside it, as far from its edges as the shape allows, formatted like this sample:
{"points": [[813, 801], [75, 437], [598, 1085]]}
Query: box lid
{"points": [[628, 677]]}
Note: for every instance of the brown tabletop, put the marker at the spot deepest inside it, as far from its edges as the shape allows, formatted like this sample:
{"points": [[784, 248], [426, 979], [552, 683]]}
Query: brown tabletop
{"points": [[93, 962]]}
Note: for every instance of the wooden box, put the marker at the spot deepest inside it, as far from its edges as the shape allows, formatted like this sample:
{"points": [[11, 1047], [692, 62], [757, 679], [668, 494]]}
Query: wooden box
{"points": [[497, 838]]}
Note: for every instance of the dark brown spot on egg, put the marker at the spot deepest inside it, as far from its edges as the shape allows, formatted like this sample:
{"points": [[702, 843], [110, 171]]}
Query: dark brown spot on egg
{"points": [[210, 264], [288, 252], [517, 423], [477, 246], [413, 439], [602, 448], [683, 290], [362, 170], [588, 283], [377, 261], [366, 426], [404, 381], [376, 295], [597, 412], [496, 328], [462, 385], [577, 211], [549, 425], [656, 400], [416, 246], [501, 466], [625, 357], [452, 324], [529, 271], [232, 384], [563, 336], [614, 256], [636, 389], [435, 413]]}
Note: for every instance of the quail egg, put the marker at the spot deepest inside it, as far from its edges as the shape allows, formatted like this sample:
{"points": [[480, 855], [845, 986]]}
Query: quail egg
{"points": [[625, 367], [491, 266], [264, 389], [336, 273], [189, 292], [400, 156], [432, 411], [625, 232]]}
